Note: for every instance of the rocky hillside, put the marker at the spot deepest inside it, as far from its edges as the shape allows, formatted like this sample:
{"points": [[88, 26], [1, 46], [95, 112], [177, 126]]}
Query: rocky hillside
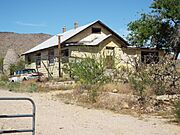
{"points": [[20, 42]]}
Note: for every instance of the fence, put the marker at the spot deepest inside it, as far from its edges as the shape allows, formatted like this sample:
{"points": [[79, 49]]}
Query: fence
{"points": [[32, 115]]}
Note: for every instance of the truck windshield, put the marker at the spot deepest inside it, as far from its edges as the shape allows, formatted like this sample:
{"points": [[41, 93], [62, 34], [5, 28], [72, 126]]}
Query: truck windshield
{"points": [[25, 71]]}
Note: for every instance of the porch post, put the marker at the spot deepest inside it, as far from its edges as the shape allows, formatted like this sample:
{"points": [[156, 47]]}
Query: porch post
{"points": [[59, 54]]}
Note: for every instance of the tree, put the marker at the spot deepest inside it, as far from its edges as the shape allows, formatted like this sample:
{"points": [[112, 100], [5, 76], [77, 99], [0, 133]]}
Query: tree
{"points": [[1, 65], [18, 66], [160, 28]]}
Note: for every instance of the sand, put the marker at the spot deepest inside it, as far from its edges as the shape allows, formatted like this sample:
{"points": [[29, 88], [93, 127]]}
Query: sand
{"points": [[53, 117]]}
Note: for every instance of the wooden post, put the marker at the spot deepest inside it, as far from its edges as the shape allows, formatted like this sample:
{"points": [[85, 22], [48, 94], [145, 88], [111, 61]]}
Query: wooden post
{"points": [[59, 54]]}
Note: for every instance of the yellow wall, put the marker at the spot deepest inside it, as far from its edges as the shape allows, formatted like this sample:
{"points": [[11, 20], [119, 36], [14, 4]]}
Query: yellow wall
{"points": [[122, 56], [53, 68]]}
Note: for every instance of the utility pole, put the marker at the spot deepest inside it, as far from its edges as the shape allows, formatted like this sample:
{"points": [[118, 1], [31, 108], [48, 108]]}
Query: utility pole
{"points": [[59, 54]]}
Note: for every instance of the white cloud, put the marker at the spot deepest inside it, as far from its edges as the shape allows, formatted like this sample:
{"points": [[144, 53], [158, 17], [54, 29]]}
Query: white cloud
{"points": [[31, 24]]}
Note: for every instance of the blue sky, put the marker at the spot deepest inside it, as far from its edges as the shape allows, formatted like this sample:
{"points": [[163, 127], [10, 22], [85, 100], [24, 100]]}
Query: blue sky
{"points": [[49, 16]]}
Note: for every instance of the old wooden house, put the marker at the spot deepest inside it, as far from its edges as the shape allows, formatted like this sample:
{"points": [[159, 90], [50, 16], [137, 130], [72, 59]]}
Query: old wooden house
{"points": [[95, 38]]}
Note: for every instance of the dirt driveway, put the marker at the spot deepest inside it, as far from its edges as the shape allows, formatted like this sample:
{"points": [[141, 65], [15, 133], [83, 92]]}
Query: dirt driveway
{"points": [[56, 118]]}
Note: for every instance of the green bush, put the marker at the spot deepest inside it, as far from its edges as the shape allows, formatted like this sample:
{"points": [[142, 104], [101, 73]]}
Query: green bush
{"points": [[88, 71], [3, 80], [159, 87], [18, 66], [140, 81], [15, 86], [3, 84], [32, 87], [1, 65], [3, 77], [177, 110]]}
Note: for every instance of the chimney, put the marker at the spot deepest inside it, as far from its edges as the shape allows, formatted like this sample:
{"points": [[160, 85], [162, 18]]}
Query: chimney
{"points": [[75, 25], [64, 29]]}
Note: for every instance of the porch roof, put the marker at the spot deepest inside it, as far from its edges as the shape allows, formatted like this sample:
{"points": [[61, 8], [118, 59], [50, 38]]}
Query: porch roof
{"points": [[97, 40]]}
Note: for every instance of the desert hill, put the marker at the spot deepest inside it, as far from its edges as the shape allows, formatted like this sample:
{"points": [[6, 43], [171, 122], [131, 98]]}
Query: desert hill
{"points": [[20, 42]]}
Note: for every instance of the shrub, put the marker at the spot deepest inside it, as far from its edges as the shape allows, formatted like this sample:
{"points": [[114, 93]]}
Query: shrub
{"points": [[15, 86], [159, 87], [3, 77], [18, 66], [93, 94], [165, 76], [177, 110], [140, 81], [3, 84], [32, 87], [88, 71], [122, 88], [1, 65]]}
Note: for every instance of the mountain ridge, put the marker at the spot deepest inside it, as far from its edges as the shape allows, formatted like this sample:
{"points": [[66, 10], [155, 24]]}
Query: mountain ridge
{"points": [[20, 42]]}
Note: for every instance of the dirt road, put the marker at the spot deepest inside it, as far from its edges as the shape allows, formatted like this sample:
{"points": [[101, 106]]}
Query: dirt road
{"points": [[56, 118]]}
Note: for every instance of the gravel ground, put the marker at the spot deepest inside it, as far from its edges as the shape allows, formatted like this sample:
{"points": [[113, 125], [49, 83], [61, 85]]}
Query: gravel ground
{"points": [[56, 118]]}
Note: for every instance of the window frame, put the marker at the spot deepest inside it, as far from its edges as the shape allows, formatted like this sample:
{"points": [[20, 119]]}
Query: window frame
{"points": [[38, 60], [51, 54], [96, 30], [65, 51], [65, 55], [29, 59]]}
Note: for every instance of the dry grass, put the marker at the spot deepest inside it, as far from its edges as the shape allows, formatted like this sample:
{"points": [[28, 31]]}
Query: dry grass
{"points": [[33, 85], [115, 101], [106, 99], [117, 87], [25, 86], [55, 86]]}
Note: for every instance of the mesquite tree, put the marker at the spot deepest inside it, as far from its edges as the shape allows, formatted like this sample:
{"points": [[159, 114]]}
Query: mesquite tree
{"points": [[159, 28]]}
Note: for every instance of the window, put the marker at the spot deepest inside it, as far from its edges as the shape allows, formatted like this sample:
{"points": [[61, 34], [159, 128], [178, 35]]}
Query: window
{"points": [[149, 57], [65, 53], [51, 56], [29, 59], [38, 60], [110, 48], [29, 71], [96, 30]]}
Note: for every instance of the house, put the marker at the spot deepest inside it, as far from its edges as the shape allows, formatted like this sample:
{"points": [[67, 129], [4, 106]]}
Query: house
{"points": [[95, 38]]}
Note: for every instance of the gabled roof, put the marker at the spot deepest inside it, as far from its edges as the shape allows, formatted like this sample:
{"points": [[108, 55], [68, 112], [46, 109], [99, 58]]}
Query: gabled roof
{"points": [[53, 41]]}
